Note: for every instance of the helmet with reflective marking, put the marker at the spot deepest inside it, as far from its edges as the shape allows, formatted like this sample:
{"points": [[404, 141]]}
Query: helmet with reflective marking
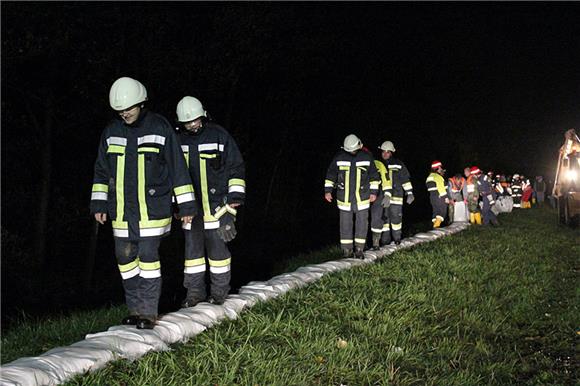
{"points": [[436, 165], [474, 170]]}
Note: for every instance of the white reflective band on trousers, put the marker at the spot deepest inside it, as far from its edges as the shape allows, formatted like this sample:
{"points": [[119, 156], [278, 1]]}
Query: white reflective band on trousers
{"points": [[62, 363]]}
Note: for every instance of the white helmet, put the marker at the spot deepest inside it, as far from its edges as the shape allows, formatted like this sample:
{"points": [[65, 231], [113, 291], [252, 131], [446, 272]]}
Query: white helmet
{"points": [[352, 143], [126, 92], [516, 176], [189, 109], [387, 146]]}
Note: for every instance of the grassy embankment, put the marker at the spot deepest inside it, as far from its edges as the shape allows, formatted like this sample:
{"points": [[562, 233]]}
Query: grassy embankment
{"points": [[486, 306]]}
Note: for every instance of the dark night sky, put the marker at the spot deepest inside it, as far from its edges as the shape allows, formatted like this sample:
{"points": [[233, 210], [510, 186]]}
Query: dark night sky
{"points": [[492, 84]]}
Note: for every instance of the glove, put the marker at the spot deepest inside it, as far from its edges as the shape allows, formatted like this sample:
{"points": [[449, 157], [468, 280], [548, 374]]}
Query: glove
{"points": [[227, 230], [386, 202], [410, 199]]}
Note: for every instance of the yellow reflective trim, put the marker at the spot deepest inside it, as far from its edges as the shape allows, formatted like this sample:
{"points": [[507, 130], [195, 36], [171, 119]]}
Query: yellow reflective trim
{"points": [[141, 188], [154, 223], [148, 150], [346, 184], [220, 263], [365, 202], [236, 181], [129, 266], [116, 149], [100, 188], [120, 224], [357, 185], [231, 210], [204, 197], [183, 189], [195, 262], [149, 266], [220, 212], [186, 156], [203, 155], [120, 187], [344, 168]]}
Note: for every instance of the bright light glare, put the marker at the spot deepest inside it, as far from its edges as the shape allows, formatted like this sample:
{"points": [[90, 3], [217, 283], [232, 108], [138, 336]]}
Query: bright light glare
{"points": [[571, 175]]}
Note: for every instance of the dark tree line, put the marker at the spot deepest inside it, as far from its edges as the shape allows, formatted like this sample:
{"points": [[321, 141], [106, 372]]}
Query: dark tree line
{"points": [[288, 81]]}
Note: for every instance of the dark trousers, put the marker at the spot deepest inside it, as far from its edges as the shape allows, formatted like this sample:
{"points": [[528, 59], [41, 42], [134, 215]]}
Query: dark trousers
{"points": [[357, 221], [439, 207], [389, 221], [141, 272], [198, 241], [488, 215]]}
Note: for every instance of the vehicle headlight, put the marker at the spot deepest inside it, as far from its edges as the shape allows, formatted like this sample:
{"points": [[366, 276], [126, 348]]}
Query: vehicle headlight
{"points": [[571, 175]]}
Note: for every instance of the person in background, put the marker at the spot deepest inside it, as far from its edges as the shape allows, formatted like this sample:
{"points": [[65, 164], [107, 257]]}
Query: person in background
{"points": [[473, 196], [139, 168], [352, 174], [488, 197], [540, 189], [217, 170], [437, 193], [455, 189], [516, 186]]}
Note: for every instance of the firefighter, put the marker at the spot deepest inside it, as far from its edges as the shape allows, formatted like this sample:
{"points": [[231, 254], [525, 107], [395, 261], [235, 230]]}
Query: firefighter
{"points": [[517, 190], [472, 184], [455, 191], [139, 167], [438, 194], [217, 170], [398, 185], [488, 196], [353, 174]]}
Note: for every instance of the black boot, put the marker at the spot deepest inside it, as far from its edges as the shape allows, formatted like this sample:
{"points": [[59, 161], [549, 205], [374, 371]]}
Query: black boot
{"points": [[358, 253], [376, 241], [217, 301], [146, 323], [130, 320]]}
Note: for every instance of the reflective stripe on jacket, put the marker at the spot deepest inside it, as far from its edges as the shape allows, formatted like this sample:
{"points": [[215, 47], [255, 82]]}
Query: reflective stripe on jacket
{"points": [[436, 185], [355, 178], [217, 169], [139, 168], [400, 180]]}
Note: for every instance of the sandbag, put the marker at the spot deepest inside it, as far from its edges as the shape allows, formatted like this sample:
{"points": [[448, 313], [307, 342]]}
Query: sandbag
{"points": [[460, 212], [504, 204]]}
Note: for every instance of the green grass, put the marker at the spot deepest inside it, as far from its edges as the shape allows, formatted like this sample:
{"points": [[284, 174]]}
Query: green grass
{"points": [[485, 306], [31, 337]]}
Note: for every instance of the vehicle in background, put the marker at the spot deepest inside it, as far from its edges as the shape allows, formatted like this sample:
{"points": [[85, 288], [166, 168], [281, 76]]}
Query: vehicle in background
{"points": [[567, 183]]}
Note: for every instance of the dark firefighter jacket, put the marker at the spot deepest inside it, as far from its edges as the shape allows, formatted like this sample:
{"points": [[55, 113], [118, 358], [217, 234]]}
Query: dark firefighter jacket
{"points": [[355, 178], [138, 169], [217, 169], [399, 180]]}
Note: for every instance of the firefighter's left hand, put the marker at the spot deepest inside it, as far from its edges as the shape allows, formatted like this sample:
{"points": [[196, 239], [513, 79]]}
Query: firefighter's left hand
{"points": [[227, 230], [373, 197], [186, 219]]}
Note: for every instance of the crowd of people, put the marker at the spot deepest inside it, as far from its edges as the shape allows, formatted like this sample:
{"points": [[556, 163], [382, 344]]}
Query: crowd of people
{"points": [[363, 185]]}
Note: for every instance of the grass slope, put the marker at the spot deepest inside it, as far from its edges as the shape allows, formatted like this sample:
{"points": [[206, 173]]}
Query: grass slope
{"points": [[486, 306]]}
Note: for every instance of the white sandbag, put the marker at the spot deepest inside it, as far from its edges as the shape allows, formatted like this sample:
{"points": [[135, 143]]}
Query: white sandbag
{"points": [[504, 204], [24, 375], [460, 213]]}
